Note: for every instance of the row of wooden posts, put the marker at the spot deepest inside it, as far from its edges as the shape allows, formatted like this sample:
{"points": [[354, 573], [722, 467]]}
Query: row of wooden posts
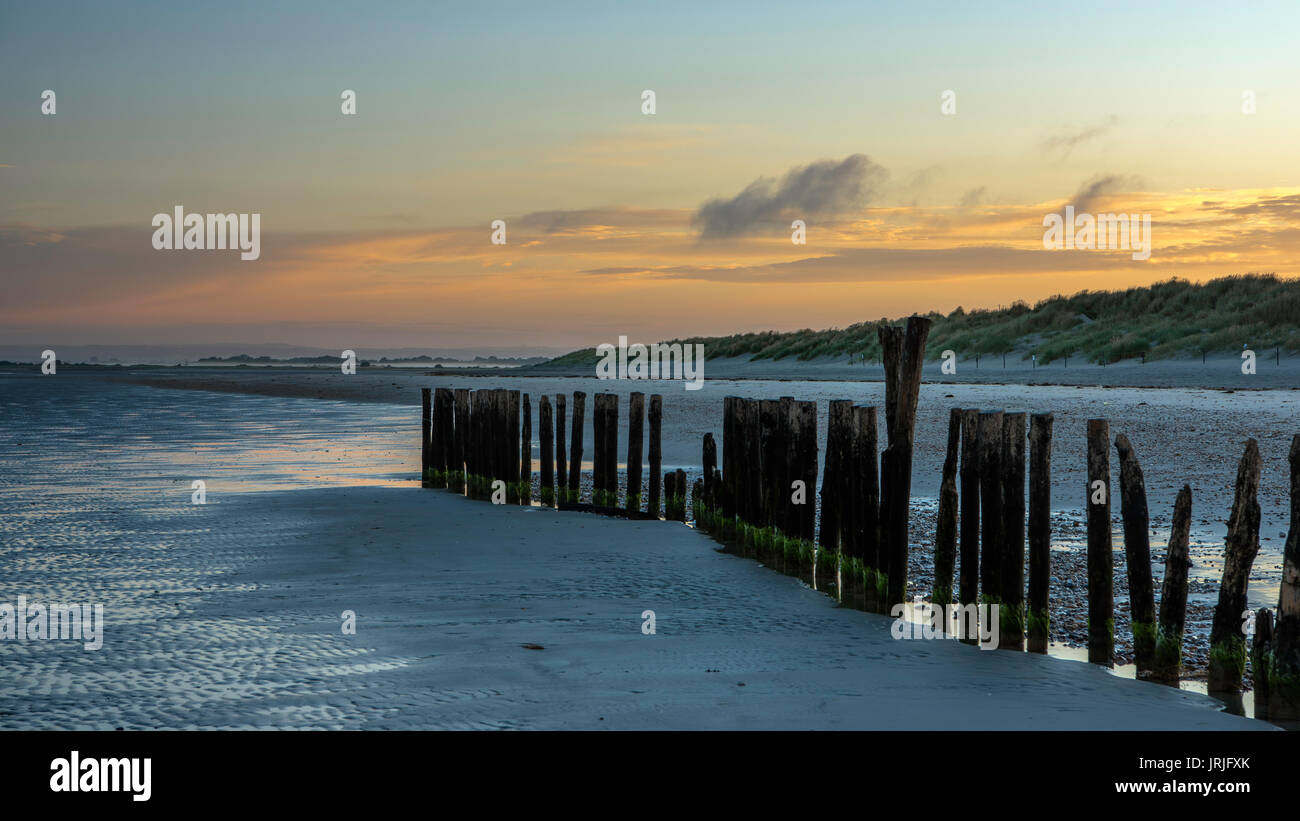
{"points": [[480, 443], [761, 502]]}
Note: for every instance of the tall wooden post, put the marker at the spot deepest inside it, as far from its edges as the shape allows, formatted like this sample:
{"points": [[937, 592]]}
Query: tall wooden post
{"points": [[807, 425], [599, 442], [945, 534], [710, 461], [1284, 670], [1173, 593], [546, 431], [752, 444], [512, 451], [575, 448], [730, 450], [525, 493], [611, 448], [472, 451], [835, 490], [1261, 659], [1101, 592], [1011, 633], [635, 440], [656, 452], [990, 462], [968, 592], [426, 421], [903, 352], [1137, 549], [461, 447], [443, 431], [1040, 531], [561, 463], [865, 500], [1227, 644]]}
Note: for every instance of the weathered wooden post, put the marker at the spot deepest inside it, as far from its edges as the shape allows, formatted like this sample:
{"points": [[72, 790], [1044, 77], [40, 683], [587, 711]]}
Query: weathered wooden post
{"points": [[787, 512], [525, 484], [472, 453], [546, 430], [561, 464], [444, 435], [1040, 530], [426, 421], [990, 462], [575, 448], [656, 452], [1261, 652], [1011, 633], [903, 352], [503, 467], [1284, 668], [1137, 549], [865, 499], [635, 439], [599, 442], [1227, 644], [968, 592], [1168, 660], [730, 452], [456, 481], [768, 439], [945, 533], [807, 426], [682, 502], [512, 450], [611, 448], [710, 460], [835, 479], [1101, 592], [751, 486]]}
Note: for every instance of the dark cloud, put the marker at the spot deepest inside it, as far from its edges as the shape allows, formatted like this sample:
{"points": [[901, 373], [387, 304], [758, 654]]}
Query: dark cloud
{"points": [[1066, 141], [1102, 185], [821, 188], [973, 197]]}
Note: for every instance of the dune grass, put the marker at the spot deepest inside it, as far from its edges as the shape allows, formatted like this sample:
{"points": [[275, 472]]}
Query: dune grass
{"points": [[1164, 320]]}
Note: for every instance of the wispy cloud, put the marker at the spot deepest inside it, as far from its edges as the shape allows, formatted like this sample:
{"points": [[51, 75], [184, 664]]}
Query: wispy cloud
{"points": [[1067, 140]]}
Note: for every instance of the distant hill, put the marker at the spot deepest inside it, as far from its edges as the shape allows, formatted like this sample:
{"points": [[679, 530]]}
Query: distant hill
{"points": [[1168, 319]]}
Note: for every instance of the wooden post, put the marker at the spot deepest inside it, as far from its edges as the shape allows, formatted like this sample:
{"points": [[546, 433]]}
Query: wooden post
{"points": [[561, 464], [1011, 633], [751, 441], [990, 462], [968, 592], [1284, 671], [839, 442], [472, 445], [525, 494], [656, 452], [512, 450], [1137, 549], [1101, 592], [866, 491], [426, 420], [1040, 531], [771, 451], [461, 439], [730, 450], [599, 417], [807, 412], [611, 448], [444, 436], [546, 430], [635, 440], [710, 460], [903, 352], [682, 502], [787, 423], [1173, 594], [945, 534], [1227, 644], [575, 448], [1261, 650]]}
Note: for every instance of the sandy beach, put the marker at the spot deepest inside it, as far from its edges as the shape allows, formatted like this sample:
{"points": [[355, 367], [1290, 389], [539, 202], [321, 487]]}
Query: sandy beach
{"points": [[228, 614]]}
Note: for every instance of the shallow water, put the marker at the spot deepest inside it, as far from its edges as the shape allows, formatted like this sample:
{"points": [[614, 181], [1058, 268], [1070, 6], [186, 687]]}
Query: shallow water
{"points": [[95, 481]]}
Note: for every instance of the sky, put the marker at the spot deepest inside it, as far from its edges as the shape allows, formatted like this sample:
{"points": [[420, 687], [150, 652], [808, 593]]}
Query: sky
{"points": [[376, 227]]}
